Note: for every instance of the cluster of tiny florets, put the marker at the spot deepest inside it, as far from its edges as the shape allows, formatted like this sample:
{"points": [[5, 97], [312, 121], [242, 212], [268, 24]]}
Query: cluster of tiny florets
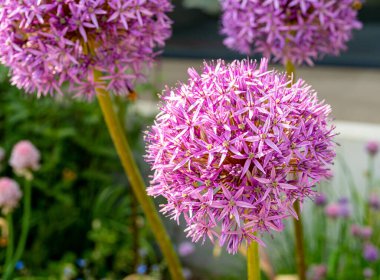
{"points": [[235, 147], [49, 43], [289, 30]]}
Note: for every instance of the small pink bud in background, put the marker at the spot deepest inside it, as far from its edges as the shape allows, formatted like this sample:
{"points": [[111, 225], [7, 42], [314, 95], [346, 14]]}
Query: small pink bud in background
{"points": [[366, 232], [333, 210], [10, 194], [356, 230], [185, 249], [374, 201], [368, 273], [25, 158], [372, 147]]}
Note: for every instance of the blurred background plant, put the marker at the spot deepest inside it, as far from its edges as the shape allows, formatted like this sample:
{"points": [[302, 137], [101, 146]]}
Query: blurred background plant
{"points": [[83, 211], [342, 233]]}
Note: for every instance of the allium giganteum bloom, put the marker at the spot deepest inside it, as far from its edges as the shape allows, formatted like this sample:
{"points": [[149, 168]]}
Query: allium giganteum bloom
{"points": [[234, 147], [47, 43], [289, 30]]}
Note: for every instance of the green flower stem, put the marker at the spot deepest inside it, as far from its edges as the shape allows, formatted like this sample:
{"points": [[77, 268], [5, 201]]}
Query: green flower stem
{"points": [[125, 154], [24, 231], [298, 227], [121, 114], [9, 252], [300, 250], [253, 263]]}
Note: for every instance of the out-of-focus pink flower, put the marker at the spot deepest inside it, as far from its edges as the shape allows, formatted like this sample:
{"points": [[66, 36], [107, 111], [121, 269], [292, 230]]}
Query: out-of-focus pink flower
{"points": [[25, 158], [368, 273], [224, 144], [372, 147], [186, 248], [333, 210], [10, 194], [361, 232], [318, 272], [374, 201]]}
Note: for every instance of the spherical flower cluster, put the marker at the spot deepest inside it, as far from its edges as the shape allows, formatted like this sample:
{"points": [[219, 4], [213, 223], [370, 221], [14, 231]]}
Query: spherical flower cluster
{"points": [[235, 147], [289, 30], [25, 158], [48, 44], [10, 194]]}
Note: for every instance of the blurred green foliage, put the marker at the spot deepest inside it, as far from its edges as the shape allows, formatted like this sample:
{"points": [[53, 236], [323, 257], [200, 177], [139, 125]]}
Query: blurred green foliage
{"points": [[81, 198]]}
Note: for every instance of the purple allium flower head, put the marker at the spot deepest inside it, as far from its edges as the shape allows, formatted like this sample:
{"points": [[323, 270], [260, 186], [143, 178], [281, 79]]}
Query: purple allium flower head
{"points": [[320, 199], [49, 43], [289, 30], [374, 201], [10, 194], [370, 252], [25, 158], [185, 249], [234, 147], [372, 147]]}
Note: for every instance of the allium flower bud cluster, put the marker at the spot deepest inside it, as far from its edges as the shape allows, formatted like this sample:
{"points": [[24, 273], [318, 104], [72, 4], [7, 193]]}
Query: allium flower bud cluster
{"points": [[289, 30], [10, 194], [25, 158], [234, 147], [48, 44]]}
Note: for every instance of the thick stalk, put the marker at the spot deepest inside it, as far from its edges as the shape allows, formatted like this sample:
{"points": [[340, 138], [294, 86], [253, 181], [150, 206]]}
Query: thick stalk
{"points": [[121, 114], [253, 261], [300, 250], [125, 154], [298, 227], [24, 231], [9, 252]]}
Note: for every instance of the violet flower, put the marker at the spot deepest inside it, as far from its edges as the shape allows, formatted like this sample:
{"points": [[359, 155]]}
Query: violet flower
{"points": [[370, 253], [235, 147], [289, 30], [185, 249], [320, 199], [10, 194], [47, 44]]}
